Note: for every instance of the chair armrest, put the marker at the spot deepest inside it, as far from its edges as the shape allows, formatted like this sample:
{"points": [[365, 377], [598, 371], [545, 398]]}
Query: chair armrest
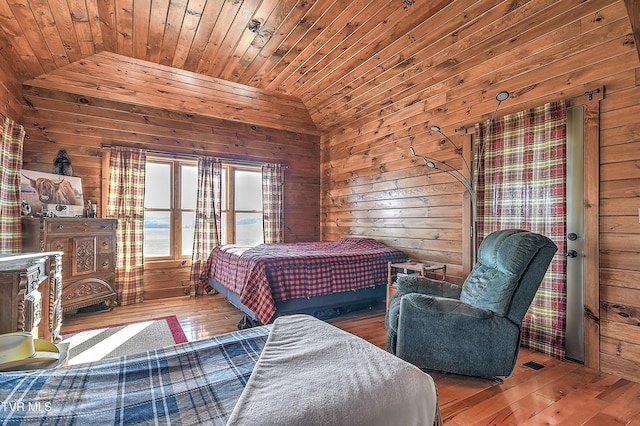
{"points": [[418, 284], [423, 305], [444, 334]]}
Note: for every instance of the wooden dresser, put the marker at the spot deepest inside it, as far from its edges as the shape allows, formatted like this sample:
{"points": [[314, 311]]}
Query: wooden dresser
{"points": [[89, 246], [30, 294]]}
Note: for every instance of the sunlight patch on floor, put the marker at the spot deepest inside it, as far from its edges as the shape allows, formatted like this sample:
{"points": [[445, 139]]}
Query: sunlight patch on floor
{"points": [[101, 349]]}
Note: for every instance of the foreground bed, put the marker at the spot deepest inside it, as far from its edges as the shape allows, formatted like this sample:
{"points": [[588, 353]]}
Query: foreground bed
{"points": [[280, 279], [347, 381]]}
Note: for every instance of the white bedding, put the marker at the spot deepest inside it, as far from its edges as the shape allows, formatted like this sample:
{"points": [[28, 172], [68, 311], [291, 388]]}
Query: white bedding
{"points": [[312, 373]]}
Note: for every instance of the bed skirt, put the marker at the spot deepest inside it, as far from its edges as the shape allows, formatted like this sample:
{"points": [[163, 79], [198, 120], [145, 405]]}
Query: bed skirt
{"points": [[323, 307]]}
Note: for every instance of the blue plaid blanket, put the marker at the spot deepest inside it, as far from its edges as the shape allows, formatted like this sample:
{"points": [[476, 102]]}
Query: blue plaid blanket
{"points": [[191, 383]]}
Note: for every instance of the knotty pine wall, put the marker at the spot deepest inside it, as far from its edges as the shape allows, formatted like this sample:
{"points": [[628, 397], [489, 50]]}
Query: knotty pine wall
{"points": [[111, 100], [620, 227], [10, 93], [372, 186]]}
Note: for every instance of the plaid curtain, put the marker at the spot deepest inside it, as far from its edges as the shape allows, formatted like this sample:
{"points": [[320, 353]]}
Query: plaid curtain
{"points": [[10, 167], [272, 202], [521, 184], [206, 234], [125, 202]]}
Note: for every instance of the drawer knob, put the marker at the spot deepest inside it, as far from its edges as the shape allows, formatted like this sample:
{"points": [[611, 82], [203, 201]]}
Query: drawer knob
{"points": [[60, 226], [105, 263], [60, 246], [105, 243]]}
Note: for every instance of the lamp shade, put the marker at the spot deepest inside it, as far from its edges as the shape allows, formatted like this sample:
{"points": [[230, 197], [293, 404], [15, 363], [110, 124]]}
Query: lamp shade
{"points": [[502, 96]]}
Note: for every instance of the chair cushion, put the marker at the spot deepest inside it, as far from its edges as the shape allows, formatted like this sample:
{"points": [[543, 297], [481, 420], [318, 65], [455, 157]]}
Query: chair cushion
{"points": [[502, 259], [488, 288]]}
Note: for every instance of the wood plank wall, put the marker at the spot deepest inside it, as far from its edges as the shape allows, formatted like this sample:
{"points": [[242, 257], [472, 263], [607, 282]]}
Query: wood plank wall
{"points": [[620, 226], [372, 186], [110, 100], [10, 93]]}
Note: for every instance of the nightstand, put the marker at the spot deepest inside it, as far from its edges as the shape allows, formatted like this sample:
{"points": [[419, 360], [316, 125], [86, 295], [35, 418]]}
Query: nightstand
{"points": [[395, 269]]}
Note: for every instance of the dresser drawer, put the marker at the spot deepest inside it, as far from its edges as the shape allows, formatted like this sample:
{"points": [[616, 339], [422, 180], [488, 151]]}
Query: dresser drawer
{"points": [[106, 244], [105, 262], [75, 226], [35, 273], [63, 244]]}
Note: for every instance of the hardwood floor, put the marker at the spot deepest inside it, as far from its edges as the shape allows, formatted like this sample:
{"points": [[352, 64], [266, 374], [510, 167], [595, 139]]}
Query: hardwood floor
{"points": [[562, 392]]}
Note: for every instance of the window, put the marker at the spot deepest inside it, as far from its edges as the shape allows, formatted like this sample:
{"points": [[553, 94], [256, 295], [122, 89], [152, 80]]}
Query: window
{"points": [[170, 208], [171, 187], [241, 205]]}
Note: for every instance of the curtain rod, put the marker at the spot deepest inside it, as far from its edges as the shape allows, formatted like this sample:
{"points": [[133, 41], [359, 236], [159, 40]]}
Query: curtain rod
{"points": [[589, 93], [195, 157]]}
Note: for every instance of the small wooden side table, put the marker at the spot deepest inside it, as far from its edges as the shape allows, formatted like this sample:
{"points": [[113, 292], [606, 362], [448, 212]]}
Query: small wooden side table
{"points": [[417, 267]]}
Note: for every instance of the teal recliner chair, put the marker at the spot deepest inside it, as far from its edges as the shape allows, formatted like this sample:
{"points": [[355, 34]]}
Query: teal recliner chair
{"points": [[474, 329]]}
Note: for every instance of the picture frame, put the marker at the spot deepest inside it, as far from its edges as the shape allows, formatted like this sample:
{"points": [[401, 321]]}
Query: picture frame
{"points": [[42, 191]]}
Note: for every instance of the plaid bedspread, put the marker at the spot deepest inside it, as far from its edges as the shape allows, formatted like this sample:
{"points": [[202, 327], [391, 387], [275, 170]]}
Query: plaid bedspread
{"points": [[190, 383], [269, 272]]}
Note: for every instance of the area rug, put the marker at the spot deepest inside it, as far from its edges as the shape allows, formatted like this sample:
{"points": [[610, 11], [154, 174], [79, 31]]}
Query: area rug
{"points": [[122, 339]]}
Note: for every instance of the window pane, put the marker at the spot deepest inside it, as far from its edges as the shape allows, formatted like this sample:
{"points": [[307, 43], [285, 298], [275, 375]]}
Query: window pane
{"points": [[223, 227], [157, 234], [188, 224], [248, 190], [223, 191], [189, 187], [249, 228], [157, 185]]}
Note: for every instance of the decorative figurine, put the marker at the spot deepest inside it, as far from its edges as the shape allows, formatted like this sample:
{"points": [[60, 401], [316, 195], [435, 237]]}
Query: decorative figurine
{"points": [[91, 209], [62, 164], [25, 208]]}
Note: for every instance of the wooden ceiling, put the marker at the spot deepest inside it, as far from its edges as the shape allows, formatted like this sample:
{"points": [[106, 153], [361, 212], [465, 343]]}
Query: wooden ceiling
{"points": [[344, 59]]}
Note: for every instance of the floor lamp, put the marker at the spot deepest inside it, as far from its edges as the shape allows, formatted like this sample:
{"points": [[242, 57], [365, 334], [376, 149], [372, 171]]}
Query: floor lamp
{"points": [[468, 180]]}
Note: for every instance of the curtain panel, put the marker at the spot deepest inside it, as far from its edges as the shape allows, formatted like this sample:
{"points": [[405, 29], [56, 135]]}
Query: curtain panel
{"points": [[207, 231], [272, 200], [521, 184], [125, 202], [11, 165]]}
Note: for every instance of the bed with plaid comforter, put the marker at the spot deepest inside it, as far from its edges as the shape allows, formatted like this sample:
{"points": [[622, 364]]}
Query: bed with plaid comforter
{"points": [[190, 383], [268, 273], [208, 382]]}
